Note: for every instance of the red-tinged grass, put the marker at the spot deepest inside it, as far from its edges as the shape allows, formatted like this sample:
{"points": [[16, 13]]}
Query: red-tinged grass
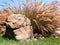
{"points": [[42, 16]]}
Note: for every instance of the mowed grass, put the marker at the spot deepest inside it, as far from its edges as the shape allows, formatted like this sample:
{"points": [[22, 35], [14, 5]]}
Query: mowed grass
{"points": [[45, 41]]}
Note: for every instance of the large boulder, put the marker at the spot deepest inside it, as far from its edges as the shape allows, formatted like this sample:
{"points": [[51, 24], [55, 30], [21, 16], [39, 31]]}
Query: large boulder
{"points": [[18, 26]]}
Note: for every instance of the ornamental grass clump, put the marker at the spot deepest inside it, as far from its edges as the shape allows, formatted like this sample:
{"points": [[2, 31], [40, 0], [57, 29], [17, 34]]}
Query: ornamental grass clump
{"points": [[42, 16]]}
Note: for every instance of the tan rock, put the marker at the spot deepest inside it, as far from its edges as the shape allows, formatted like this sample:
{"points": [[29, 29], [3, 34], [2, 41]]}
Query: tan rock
{"points": [[20, 25], [24, 33]]}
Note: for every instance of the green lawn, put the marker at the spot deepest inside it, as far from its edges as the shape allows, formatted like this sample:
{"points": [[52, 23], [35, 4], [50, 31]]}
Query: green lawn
{"points": [[46, 41]]}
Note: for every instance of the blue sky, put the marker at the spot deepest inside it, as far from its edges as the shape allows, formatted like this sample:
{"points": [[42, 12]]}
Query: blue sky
{"points": [[15, 2]]}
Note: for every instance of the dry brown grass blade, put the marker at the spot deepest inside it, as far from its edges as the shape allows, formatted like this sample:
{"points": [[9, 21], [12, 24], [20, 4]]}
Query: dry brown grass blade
{"points": [[50, 6]]}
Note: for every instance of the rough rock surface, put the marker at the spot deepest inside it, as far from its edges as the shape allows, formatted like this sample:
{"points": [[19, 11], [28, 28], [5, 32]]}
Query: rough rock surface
{"points": [[18, 26]]}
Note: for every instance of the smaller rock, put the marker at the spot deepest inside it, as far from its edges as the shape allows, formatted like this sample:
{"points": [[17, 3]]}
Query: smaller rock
{"points": [[23, 33]]}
